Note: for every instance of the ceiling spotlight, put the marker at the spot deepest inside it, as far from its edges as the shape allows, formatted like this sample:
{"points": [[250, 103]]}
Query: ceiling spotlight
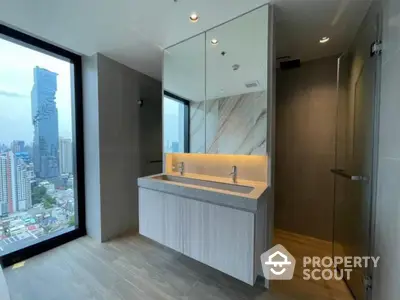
{"points": [[194, 17], [324, 40], [214, 41]]}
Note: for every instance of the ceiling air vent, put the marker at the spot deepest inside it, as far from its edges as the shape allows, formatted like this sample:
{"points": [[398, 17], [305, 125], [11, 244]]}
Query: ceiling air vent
{"points": [[290, 64], [252, 84]]}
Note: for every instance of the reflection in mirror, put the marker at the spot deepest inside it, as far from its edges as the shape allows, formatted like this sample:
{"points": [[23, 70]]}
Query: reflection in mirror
{"points": [[236, 80], [184, 95]]}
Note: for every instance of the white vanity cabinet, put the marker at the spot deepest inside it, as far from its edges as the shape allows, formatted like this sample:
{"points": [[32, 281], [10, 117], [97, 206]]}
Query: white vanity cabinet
{"points": [[221, 237]]}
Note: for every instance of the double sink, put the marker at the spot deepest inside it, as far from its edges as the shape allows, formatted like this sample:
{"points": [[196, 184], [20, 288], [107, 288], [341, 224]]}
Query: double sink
{"points": [[236, 188]]}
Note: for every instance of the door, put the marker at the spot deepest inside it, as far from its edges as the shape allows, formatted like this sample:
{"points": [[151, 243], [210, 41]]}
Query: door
{"points": [[355, 140]]}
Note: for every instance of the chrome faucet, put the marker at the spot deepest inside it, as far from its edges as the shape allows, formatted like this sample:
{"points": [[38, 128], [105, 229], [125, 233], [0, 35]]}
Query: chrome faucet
{"points": [[234, 174], [181, 167]]}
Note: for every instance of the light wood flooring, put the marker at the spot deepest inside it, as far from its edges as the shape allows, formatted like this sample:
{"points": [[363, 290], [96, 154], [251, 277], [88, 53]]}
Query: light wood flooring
{"points": [[134, 267], [300, 246]]}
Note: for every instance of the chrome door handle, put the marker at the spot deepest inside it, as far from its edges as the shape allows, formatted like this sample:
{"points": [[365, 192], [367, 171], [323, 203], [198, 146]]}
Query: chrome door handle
{"points": [[342, 173]]}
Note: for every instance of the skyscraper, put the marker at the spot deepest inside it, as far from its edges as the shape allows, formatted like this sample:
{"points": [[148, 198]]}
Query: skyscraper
{"points": [[8, 187], [66, 156], [3, 186], [23, 186], [18, 146], [15, 184], [45, 123]]}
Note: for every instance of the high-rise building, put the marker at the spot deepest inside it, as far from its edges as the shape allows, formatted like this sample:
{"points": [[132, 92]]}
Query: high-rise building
{"points": [[3, 148], [18, 146], [45, 123], [3, 186], [8, 187], [65, 149], [23, 186], [15, 184]]}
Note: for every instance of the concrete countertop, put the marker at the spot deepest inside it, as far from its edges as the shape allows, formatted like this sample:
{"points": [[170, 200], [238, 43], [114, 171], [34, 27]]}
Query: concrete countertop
{"points": [[249, 202]]}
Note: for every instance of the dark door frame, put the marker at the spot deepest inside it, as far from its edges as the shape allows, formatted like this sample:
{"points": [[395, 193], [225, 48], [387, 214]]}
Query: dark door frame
{"points": [[186, 116], [77, 109]]}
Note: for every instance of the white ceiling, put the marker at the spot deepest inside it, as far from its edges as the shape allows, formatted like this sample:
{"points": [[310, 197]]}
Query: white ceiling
{"points": [[134, 32], [300, 24]]}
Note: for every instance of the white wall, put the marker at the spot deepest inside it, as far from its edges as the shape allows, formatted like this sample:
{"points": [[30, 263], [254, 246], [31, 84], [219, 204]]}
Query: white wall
{"points": [[114, 148], [387, 240]]}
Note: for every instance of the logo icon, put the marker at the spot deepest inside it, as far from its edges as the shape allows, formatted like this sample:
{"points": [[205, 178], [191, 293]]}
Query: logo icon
{"points": [[278, 264]]}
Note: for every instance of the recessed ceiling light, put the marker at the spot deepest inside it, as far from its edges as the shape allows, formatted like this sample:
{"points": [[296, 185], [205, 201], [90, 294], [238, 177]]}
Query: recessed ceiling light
{"points": [[324, 40], [194, 17], [214, 41]]}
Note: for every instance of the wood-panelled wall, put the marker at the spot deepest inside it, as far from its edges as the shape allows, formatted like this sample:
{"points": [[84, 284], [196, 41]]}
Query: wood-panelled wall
{"points": [[306, 104]]}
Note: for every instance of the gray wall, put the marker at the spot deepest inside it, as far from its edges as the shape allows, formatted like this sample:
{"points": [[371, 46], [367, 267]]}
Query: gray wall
{"points": [[116, 151], [387, 221], [306, 104], [91, 144]]}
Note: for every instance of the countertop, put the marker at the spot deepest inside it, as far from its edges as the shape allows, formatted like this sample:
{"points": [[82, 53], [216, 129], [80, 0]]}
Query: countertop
{"points": [[249, 202]]}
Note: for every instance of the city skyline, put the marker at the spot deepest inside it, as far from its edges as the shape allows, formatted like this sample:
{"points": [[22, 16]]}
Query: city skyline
{"points": [[37, 195], [16, 81]]}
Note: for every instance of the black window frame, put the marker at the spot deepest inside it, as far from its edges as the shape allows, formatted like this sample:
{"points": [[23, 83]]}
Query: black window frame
{"points": [[186, 117], [76, 60]]}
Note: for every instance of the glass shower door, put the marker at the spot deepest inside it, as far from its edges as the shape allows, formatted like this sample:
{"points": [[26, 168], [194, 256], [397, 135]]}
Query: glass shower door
{"points": [[355, 152]]}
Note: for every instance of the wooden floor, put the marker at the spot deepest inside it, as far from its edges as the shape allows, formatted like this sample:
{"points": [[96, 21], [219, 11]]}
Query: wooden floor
{"points": [[134, 267], [300, 246]]}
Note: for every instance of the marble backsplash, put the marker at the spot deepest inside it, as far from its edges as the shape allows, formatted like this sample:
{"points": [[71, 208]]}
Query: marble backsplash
{"points": [[231, 125]]}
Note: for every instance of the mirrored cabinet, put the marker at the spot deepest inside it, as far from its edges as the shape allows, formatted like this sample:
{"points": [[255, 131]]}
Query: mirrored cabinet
{"points": [[215, 89], [184, 97]]}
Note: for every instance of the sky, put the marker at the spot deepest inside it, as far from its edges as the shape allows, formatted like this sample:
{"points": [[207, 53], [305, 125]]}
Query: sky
{"points": [[171, 120], [16, 82]]}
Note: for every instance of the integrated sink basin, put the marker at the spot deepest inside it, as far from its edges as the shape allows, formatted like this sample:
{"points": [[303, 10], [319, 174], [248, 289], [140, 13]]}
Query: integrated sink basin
{"points": [[204, 183]]}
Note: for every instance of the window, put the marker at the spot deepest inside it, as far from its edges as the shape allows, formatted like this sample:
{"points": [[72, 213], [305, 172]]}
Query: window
{"points": [[41, 198], [175, 124]]}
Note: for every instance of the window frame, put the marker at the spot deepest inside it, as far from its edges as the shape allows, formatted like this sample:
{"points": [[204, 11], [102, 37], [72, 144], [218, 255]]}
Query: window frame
{"points": [[78, 134], [186, 119]]}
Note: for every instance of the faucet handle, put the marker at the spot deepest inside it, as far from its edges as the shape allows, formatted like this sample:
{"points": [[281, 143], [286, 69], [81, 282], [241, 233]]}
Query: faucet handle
{"points": [[234, 170], [181, 167]]}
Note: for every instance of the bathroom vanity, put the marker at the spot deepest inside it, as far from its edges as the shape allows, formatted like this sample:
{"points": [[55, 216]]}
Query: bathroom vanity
{"points": [[210, 219]]}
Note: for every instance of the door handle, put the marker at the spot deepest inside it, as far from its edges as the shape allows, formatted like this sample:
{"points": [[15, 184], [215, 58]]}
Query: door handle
{"points": [[343, 173]]}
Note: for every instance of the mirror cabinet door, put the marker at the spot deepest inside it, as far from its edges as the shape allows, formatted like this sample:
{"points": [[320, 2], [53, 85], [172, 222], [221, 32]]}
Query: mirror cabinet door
{"points": [[215, 97], [184, 97], [236, 81]]}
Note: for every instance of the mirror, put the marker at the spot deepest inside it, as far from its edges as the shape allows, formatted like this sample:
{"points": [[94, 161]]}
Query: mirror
{"points": [[215, 97], [184, 95], [236, 81]]}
